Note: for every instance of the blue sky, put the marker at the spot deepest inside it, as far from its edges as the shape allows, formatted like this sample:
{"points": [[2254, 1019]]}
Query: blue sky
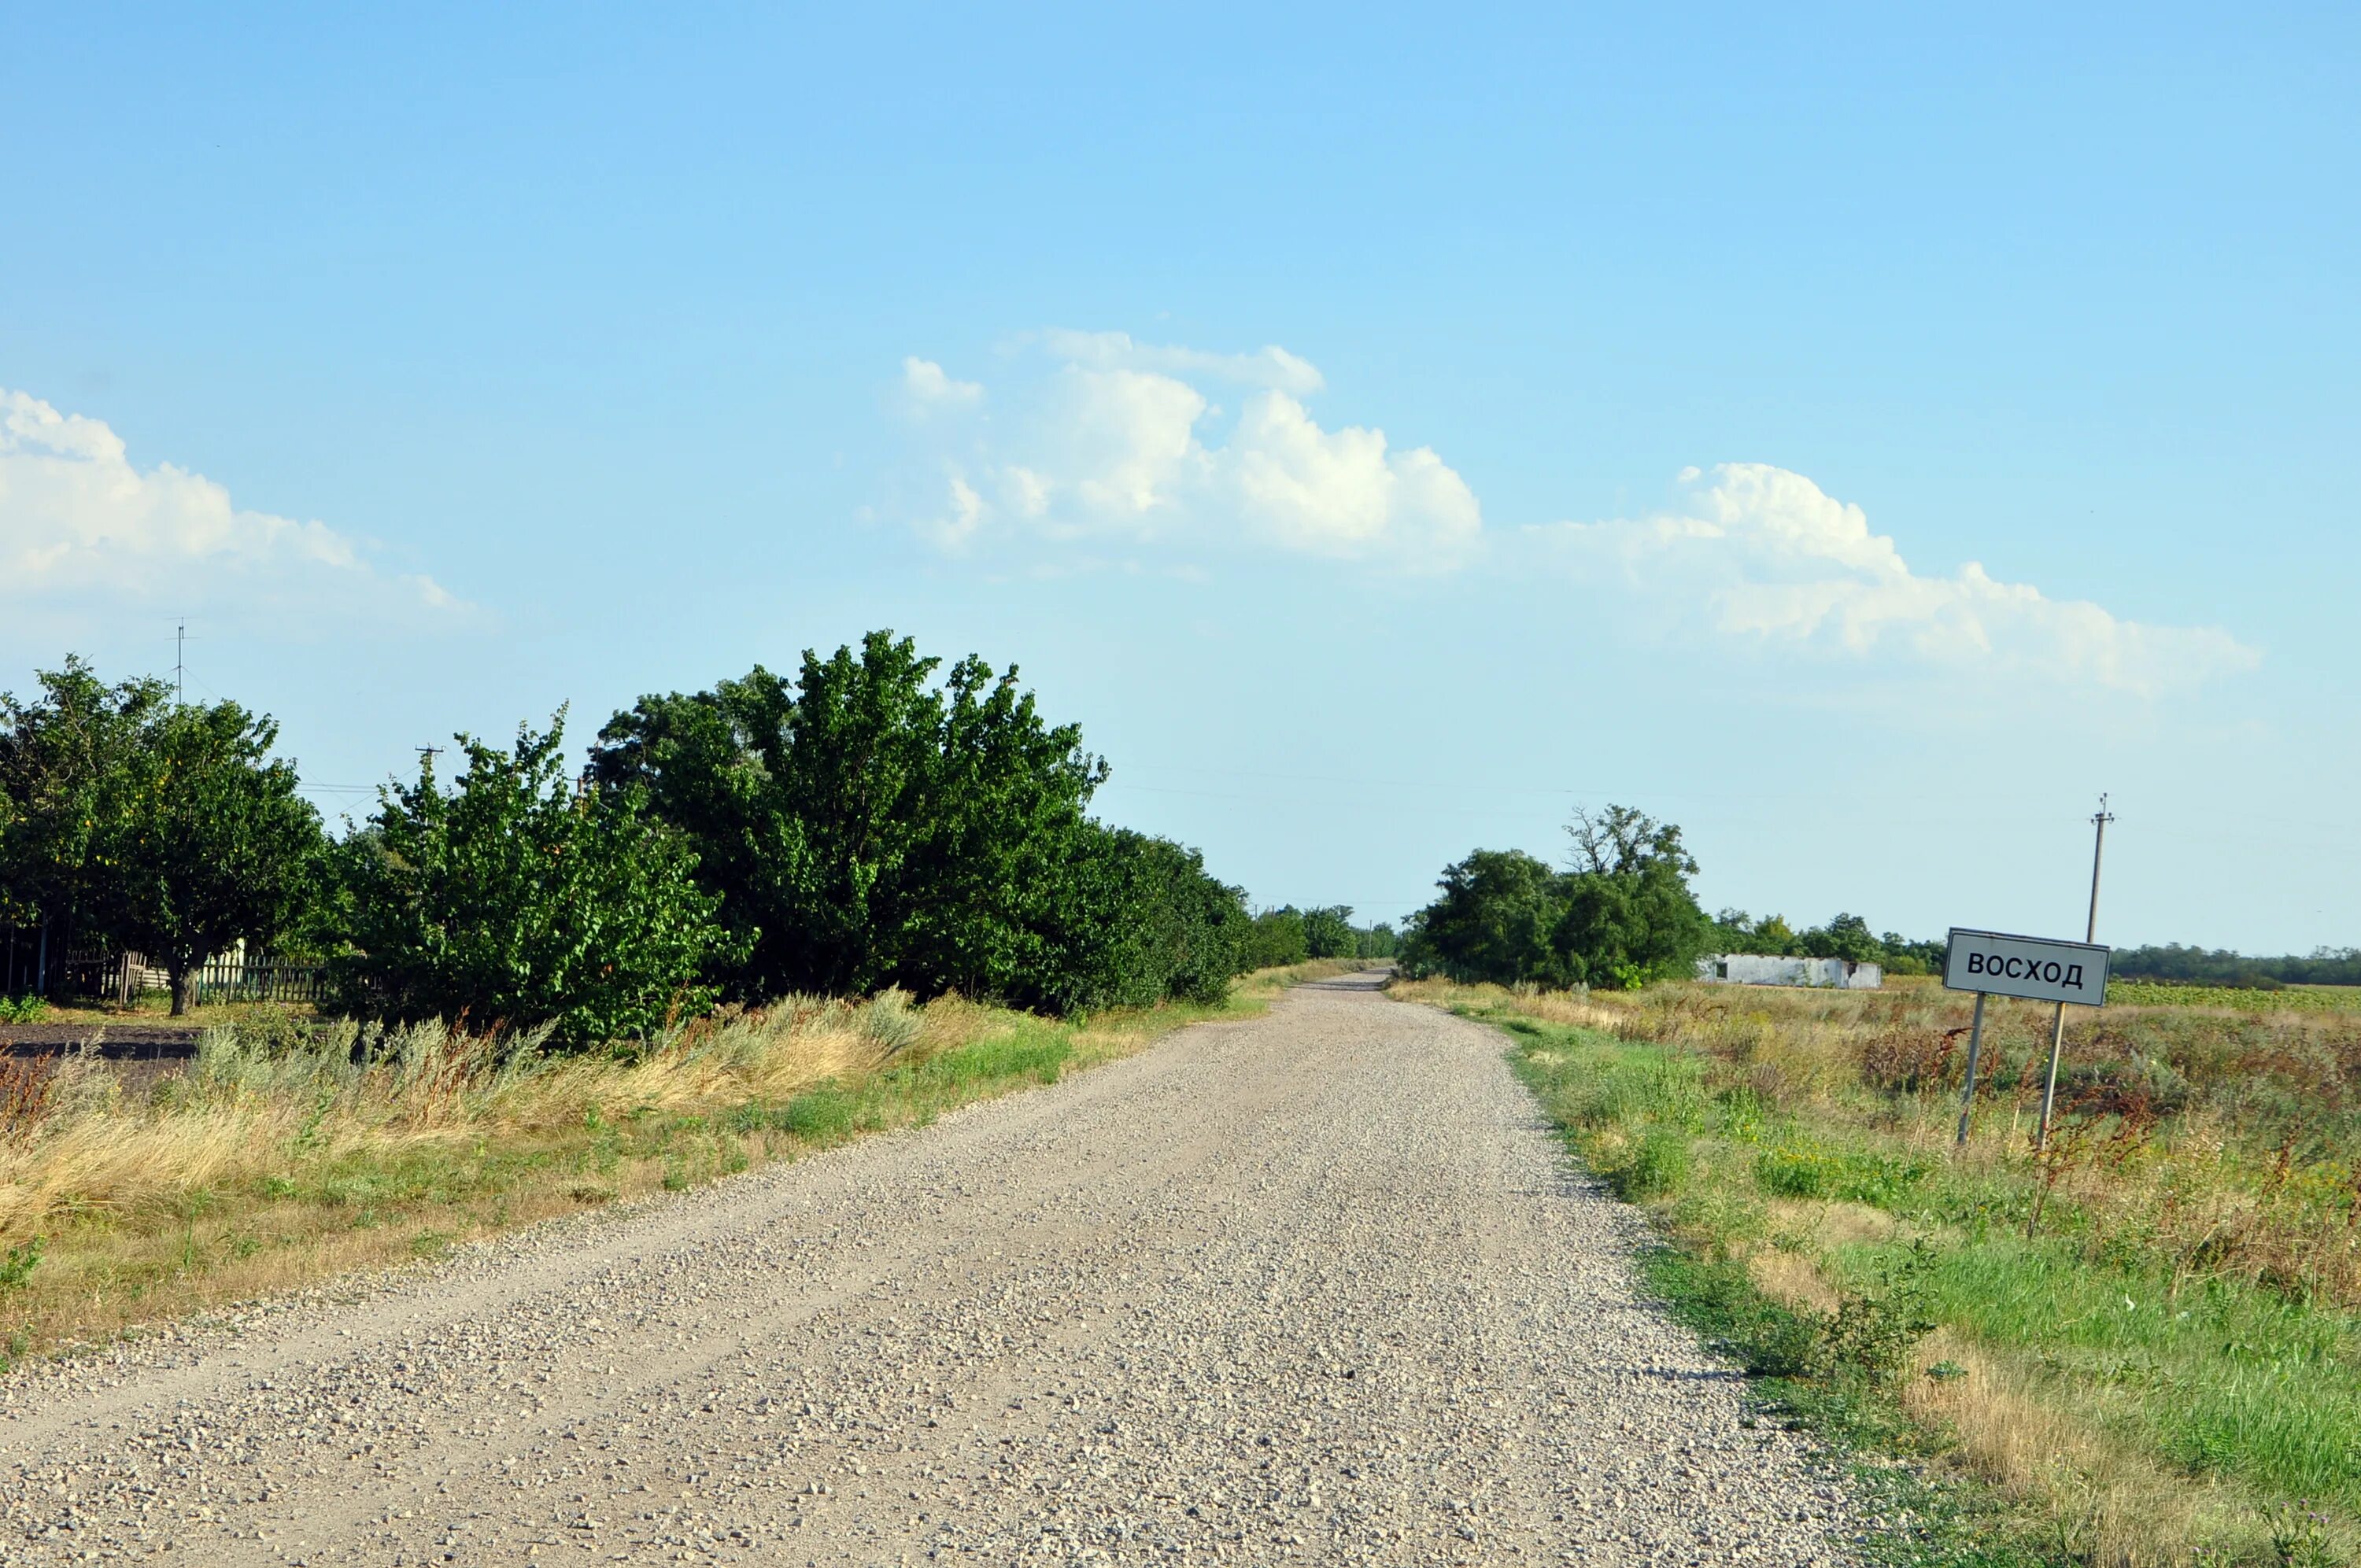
{"points": [[1859, 437]]}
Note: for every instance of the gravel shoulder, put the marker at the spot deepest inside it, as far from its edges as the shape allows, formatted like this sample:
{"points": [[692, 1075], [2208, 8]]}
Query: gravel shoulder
{"points": [[1316, 1287]]}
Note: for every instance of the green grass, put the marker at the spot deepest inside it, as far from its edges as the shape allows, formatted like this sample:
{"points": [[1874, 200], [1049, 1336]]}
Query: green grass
{"points": [[2251, 1392]]}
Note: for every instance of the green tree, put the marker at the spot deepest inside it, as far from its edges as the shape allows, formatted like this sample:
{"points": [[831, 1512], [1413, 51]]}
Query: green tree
{"points": [[513, 900], [203, 842], [1492, 921], [1629, 916], [165, 828], [1276, 940], [883, 821], [1846, 936], [1328, 933], [59, 754]]}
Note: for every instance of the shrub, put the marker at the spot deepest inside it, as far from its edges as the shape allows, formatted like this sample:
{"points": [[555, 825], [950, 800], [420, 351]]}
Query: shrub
{"points": [[1876, 1326], [1659, 1166], [510, 902]]}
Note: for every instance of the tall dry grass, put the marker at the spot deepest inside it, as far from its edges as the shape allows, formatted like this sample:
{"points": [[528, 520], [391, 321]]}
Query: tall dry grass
{"points": [[287, 1151]]}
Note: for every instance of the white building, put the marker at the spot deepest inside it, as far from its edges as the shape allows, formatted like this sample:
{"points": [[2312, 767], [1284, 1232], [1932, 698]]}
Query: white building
{"points": [[1761, 968]]}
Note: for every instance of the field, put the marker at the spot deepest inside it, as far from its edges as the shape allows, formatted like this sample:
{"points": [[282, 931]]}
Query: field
{"points": [[2143, 1348], [290, 1150]]}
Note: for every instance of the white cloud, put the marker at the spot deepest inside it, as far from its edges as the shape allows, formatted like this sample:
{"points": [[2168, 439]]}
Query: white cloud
{"points": [[1341, 492], [926, 385], [1268, 366], [1773, 556], [1119, 441], [77, 517]]}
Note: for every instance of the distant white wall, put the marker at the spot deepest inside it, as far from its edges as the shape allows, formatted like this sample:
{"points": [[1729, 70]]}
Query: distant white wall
{"points": [[1763, 968]]}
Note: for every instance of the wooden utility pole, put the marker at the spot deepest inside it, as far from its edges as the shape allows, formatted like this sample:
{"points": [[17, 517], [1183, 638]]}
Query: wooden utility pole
{"points": [[2057, 1023]]}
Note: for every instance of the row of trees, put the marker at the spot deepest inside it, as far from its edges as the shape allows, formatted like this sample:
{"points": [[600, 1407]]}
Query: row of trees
{"points": [[1620, 914], [1292, 935], [875, 821], [2202, 966]]}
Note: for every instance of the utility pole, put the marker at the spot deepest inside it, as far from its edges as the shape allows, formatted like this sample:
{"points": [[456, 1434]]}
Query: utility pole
{"points": [[180, 665], [426, 755], [2090, 934]]}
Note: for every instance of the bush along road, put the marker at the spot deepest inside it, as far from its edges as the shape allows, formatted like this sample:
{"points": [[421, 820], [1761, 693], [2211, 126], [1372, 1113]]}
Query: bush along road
{"points": [[1319, 1285]]}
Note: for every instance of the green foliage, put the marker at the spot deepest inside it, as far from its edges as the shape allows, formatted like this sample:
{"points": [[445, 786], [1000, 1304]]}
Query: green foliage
{"points": [[22, 1009], [165, 828], [1276, 940], [2174, 963], [1622, 918], [1844, 936], [1328, 933], [17, 1263], [1659, 1166], [1800, 1167], [1878, 1323], [867, 825], [1137, 920], [1492, 922], [510, 902]]}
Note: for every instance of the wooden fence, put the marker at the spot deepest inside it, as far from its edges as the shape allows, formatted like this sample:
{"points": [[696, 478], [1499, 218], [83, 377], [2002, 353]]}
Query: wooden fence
{"points": [[122, 978], [261, 980]]}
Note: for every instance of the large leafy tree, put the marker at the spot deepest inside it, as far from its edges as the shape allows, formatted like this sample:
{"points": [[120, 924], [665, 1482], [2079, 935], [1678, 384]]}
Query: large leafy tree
{"points": [[1622, 915], [513, 899], [166, 828], [1491, 921], [873, 824], [204, 841], [59, 752], [1328, 932], [1629, 916]]}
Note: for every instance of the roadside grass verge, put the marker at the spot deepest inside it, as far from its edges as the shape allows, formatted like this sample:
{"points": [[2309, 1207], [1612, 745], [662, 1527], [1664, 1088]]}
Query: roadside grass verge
{"points": [[288, 1152], [2167, 1372]]}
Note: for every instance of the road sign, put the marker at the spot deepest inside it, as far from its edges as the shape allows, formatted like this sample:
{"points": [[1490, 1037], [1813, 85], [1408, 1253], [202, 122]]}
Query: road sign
{"points": [[2031, 967]]}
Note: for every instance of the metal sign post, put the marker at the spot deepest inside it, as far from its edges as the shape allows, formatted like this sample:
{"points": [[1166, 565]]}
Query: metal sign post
{"points": [[1993, 963], [1975, 1049]]}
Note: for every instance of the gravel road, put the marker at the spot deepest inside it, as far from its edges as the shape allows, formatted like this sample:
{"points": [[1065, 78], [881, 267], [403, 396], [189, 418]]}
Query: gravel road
{"points": [[1312, 1287]]}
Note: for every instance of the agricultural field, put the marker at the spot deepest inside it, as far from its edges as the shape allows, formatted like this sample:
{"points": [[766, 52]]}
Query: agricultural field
{"points": [[2142, 1347]]}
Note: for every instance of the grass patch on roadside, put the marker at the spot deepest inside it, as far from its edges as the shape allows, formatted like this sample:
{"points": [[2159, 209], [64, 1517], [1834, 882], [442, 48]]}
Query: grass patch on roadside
{"points": [[2105, 1393], [288, 1153]]}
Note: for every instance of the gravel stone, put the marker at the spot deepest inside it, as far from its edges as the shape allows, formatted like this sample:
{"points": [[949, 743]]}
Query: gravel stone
{"points": [[1314, 1288]]}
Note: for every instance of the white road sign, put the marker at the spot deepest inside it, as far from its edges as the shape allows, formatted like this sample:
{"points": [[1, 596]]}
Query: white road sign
{"points": [[2032, 966]]}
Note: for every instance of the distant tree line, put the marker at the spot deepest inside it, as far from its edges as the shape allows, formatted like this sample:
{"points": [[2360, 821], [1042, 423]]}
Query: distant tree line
{"points": [[1619, 913], [1290, 935], [1845, 937], [2202, 966], [875, 821]]}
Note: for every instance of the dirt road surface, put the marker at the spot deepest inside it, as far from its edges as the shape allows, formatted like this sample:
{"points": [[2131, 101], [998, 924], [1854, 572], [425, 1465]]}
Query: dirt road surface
{"points": [[1314, 1288]]}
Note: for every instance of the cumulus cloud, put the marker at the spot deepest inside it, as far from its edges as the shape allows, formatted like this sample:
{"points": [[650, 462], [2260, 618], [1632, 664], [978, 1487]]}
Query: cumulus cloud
{"points": [[926, 385], [1119, 441], [1268, 366], [1772, 556], [77, 516]]}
